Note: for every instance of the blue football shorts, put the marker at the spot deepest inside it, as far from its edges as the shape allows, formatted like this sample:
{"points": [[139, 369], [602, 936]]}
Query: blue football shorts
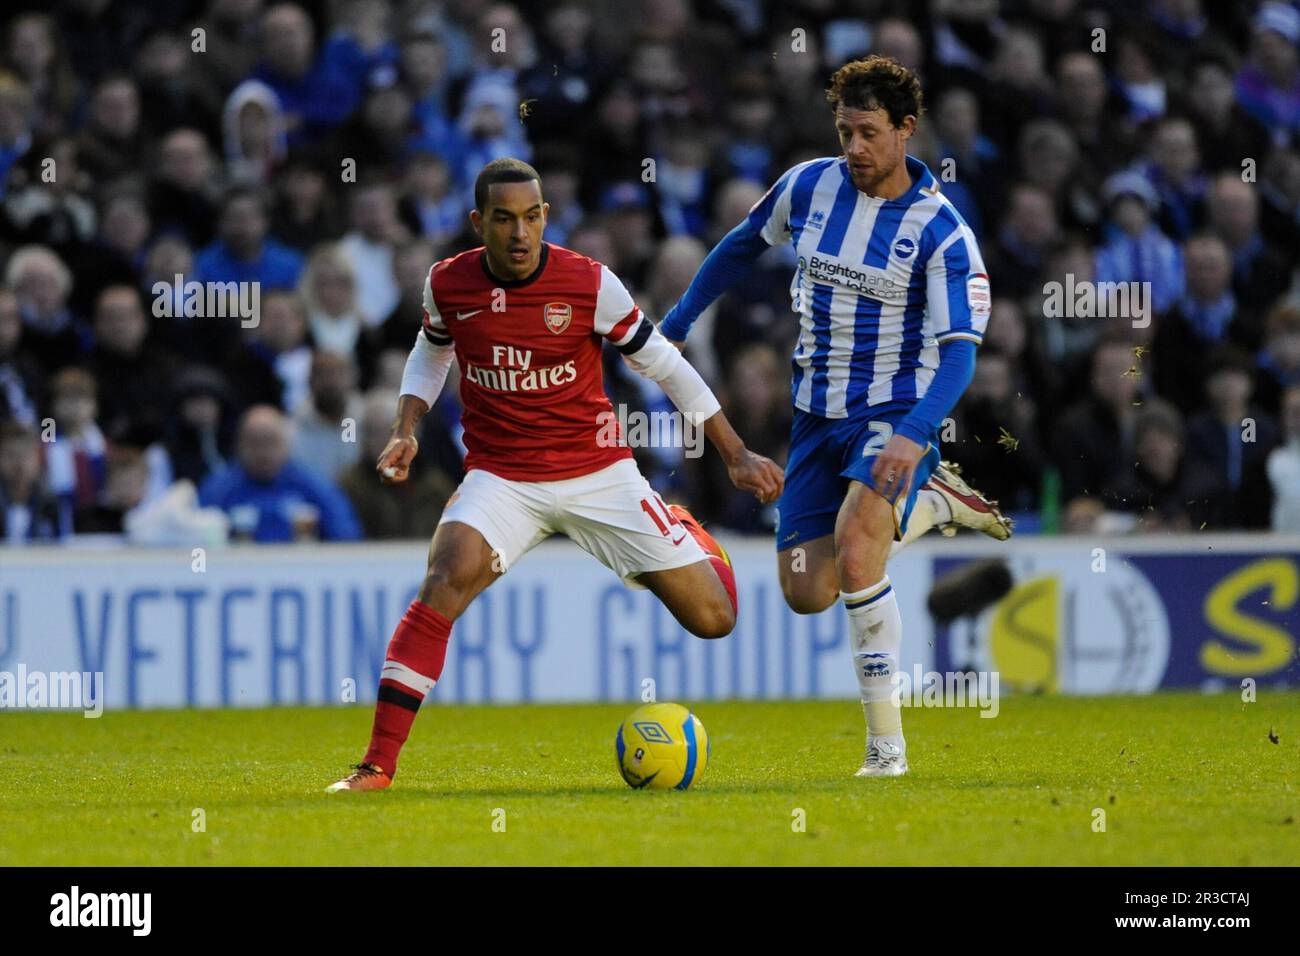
{"points": [[825, 455]]}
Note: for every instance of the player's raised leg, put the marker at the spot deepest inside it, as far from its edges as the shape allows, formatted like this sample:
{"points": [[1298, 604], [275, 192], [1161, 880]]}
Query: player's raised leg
{"points": [[461, 565], [701, 596]]}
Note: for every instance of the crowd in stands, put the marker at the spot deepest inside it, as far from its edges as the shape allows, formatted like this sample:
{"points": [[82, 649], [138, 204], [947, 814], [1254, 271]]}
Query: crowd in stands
{"points": [[324, 153]]}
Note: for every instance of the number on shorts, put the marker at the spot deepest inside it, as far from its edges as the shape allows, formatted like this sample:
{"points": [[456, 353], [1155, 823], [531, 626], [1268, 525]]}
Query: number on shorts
{"points": [[882, 432], [663, 518]]}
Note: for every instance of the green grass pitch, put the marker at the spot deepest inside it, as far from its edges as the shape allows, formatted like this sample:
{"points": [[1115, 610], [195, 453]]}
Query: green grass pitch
{"points": [[1182, 778]]}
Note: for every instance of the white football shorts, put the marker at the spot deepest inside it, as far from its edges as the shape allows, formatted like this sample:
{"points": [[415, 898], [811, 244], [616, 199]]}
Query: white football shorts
{"points": [[612, 514]]}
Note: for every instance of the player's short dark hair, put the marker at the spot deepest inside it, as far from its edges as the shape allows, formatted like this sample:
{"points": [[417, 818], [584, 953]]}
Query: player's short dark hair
{"points": [[877, 82], [506, 170]]}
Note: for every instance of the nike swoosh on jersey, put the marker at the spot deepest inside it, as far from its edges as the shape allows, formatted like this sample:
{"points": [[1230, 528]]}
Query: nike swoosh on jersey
{"points": [[462, 316]]}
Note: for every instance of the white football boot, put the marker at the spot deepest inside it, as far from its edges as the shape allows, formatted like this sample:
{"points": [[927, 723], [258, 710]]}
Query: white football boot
{"points": [[970, 509], [883, 759]]}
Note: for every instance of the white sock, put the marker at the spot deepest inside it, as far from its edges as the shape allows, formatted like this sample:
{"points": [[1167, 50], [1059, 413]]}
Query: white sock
{"points": [[931, 509], [876, 634]]}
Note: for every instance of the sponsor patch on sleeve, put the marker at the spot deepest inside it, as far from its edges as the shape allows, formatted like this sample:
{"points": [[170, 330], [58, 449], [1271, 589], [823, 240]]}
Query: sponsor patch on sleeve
{"points": [[978, 295]]}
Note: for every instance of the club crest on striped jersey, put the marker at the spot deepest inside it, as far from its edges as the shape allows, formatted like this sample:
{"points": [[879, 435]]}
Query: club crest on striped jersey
{"points": [[904, 248], [557, 316]]}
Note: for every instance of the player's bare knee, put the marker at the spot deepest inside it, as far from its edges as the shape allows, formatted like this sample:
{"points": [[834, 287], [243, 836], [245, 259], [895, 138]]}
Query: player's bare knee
{"points": [[713, 621], [449, 585], [805, 600]]}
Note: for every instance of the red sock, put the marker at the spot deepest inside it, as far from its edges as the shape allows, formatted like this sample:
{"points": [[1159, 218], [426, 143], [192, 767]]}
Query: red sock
{"points": [[728, 577], [414, 664]]}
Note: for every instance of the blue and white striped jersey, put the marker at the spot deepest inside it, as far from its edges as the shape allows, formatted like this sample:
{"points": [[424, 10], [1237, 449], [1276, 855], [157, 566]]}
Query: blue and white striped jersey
{"points": [[880, 283]]}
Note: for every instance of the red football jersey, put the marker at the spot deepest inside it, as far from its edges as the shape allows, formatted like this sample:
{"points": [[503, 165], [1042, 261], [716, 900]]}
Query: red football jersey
{"points": [[529, 354]]}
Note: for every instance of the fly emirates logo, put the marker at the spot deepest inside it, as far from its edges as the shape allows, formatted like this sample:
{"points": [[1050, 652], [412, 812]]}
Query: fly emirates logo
{"points": [[512, 371]]}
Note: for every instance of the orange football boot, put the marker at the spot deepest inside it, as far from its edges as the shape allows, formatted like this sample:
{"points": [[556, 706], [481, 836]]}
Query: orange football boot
{"points": [[715, 551], [364, 776]]}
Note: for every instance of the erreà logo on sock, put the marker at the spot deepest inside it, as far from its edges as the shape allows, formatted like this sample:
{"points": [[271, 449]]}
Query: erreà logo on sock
{"points": [[103, 909]]}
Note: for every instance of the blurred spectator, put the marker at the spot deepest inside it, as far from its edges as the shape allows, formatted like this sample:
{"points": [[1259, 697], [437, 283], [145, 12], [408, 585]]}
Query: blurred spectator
{"points": [[996, 435], [1284, 467], [1066, 335], [1205, 315], [674, 267], [201, 432], [1174, 170], [422, 70], [1015, 258], [329, 289], [111, 143], [408, 509], [244, 252], [42, 283], [282, 343], [369, 245], [630, 230], [183, 192], [117, 254], [1156, 486], [1137, 251], [133, 375], [1141, 86], [270, 497], [20, 375], [34, 51], [57, 213], [1228, 446], [325, 428], [305, 211], [1268, 86], [757, 402], [126, 484], [1279, 360], [558, 172], [412, 263], [15, 126], [253, 133], [1259, 273], [74, 459], [316, 92], [28, 510], [684, 182], [1094, 438], [230, 29], [974, 156], [1279, 193], [180, 93], [431, 208], [1228, 134], [1105, 139]]}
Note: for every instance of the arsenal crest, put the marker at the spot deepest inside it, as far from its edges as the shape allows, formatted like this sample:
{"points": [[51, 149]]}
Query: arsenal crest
{"points": [[558, 315]]}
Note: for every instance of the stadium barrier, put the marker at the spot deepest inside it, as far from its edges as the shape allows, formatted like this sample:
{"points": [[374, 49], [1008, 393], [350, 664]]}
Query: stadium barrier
{"points": [[251, 626]]}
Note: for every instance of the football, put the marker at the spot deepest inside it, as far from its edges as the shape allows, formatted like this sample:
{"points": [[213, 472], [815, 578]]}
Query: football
{"points": [[662, 746]]}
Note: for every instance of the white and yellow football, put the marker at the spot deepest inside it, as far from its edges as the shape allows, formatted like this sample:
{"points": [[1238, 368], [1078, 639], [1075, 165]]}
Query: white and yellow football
{"points": [[662, 746]]}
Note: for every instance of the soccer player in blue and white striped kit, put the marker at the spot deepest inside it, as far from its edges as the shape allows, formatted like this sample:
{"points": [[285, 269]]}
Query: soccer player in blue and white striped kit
{"points": [[892, 301]]}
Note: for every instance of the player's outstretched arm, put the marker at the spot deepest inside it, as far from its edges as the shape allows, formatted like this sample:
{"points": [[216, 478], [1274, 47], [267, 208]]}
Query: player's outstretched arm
{"points": [[653, 356], [395, 461], [749, 471], [896, 463], [726, 265], [422, 380]]}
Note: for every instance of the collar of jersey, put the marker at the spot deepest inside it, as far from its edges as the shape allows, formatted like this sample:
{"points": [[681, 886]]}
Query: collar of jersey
{"points": [[921, 176], [516, 283]]}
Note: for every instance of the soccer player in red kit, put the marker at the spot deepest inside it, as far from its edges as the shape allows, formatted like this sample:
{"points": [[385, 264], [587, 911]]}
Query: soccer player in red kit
{"points": [[525, 319]]}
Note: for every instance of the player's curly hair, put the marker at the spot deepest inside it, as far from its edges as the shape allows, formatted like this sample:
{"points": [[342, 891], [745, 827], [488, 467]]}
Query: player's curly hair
{"points": [[877, 82]]}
